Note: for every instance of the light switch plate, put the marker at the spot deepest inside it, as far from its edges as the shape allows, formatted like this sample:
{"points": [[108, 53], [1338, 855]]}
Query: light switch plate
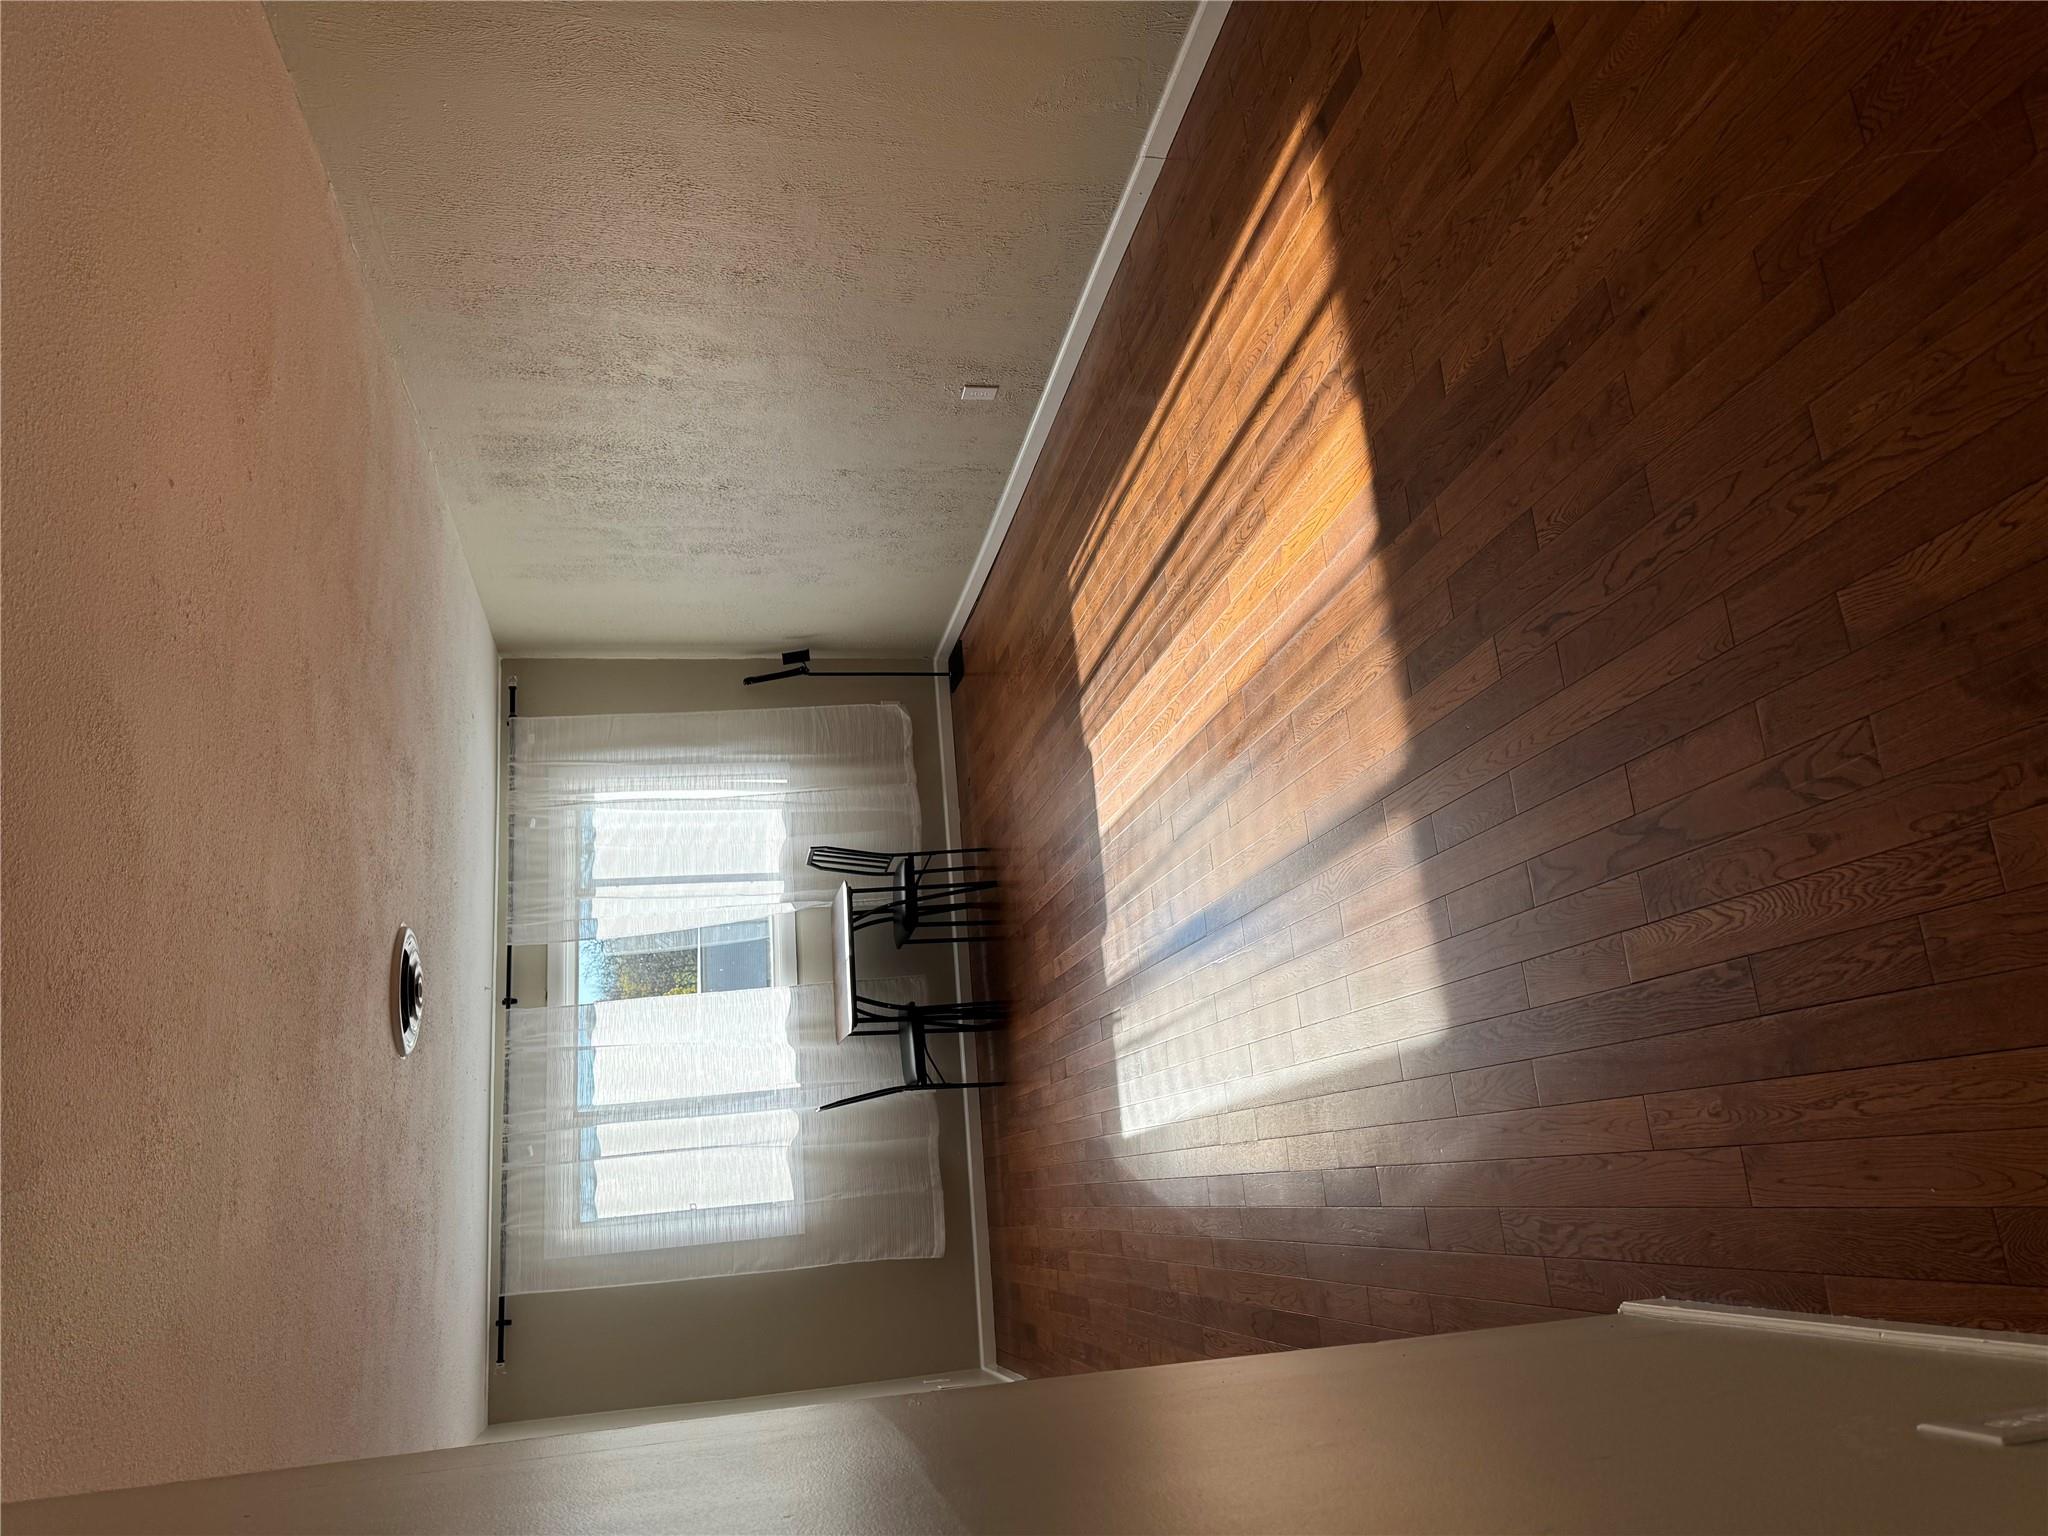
{"points": [[2015, 1426]]}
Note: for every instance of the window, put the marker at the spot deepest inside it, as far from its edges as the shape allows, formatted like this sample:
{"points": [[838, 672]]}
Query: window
{"points": [[729, 957], [680, 1118], [660, 1089], [672, 861]]}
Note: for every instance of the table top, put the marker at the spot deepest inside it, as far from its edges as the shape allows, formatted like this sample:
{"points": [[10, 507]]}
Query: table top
{"points": [[842, 960]]}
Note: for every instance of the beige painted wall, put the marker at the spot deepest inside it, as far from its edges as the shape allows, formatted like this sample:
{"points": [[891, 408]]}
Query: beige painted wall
{"points": [[745, 1335], [248, 733], [1604, 1424]]}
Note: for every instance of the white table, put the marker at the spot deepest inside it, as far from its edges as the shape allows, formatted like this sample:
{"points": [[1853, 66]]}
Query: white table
{"points": [[842, 960]]}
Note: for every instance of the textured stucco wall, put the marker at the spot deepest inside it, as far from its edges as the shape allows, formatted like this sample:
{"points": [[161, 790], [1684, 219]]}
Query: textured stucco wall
{"points": [[248, 731], [686, 293]]}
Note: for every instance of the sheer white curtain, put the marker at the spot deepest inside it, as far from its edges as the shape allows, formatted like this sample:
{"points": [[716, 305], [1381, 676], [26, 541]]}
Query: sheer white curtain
{"points": [[661, 1113], [638, 824]]}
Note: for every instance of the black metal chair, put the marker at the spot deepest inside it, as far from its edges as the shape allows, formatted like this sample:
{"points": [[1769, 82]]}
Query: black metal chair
{"points": [[912, 1023], [945, 909], [877, 1016], [929, 891]]}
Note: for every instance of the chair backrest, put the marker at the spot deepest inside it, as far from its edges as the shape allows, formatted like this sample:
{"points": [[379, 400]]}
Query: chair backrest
{"points": [[850, 861]]}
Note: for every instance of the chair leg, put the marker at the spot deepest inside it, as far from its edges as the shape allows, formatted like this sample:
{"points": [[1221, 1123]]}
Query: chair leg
{"points": [[946, 890], [862, 1098]]}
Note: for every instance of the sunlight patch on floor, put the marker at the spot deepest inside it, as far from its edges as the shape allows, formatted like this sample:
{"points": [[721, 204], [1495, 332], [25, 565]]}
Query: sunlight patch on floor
{"points": [[1218, 713]]}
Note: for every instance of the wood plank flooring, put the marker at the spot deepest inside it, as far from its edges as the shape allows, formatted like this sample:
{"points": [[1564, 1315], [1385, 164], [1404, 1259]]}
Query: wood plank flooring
{"points": [[1516, 701]]}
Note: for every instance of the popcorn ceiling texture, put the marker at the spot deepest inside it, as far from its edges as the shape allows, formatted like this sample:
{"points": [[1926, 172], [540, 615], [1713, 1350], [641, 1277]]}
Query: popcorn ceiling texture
{"points": [[686, 295], [249, 726]]}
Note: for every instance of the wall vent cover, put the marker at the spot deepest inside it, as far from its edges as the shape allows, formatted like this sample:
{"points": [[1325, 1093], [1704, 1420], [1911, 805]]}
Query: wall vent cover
{"points": [[408, 994]]}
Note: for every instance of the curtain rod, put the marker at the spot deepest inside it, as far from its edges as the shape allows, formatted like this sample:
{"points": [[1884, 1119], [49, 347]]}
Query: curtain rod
{"points": [[501, 1322], [798, 664]]}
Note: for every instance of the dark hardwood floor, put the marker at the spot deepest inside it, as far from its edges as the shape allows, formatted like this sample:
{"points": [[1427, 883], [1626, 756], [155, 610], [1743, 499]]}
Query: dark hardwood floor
{"points": [[1517, 699]]}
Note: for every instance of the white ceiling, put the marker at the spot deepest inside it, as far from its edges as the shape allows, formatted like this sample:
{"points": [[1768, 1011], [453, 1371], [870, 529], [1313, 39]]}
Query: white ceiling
{"points": [[686, 295]]}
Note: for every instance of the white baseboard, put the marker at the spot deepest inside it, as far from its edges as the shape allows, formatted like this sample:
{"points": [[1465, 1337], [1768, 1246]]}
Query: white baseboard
{"points": [[1857, 1330], [977, 1175]]}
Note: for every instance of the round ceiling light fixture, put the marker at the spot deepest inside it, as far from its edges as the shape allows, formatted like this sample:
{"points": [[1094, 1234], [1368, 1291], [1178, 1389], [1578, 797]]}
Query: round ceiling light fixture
{"points": [[409, 993]]}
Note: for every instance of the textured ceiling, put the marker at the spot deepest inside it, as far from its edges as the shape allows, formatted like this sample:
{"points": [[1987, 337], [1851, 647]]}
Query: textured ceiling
{"points": [[685, 296]]}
